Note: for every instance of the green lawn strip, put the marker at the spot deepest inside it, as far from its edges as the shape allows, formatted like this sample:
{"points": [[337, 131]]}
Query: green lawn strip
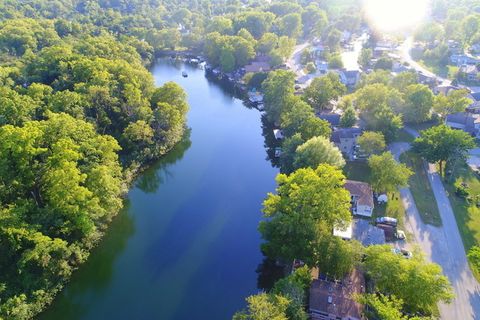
{"points": [[357, 170], [467, 214], [421, 190]]}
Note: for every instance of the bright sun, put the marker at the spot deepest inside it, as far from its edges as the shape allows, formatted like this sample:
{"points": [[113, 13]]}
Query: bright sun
{"points": [[395, 15]]}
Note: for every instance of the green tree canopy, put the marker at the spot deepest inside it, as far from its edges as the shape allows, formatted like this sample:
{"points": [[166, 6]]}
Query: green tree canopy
{"points": [[308, 203], [420, 284], [442, 144], [387, 174], [318, 150], [324, 89], [372, 142]]}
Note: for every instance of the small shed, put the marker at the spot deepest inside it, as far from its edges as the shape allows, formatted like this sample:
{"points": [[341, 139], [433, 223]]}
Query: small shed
{"points": [[382, 198]]}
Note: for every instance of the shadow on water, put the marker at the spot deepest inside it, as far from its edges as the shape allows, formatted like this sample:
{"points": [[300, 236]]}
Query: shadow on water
{"points": [[97, 271], [270, 142], [268, 273], [158, 173]]}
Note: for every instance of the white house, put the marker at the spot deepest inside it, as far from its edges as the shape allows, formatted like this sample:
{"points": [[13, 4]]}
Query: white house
{"points": [[361, 197]]}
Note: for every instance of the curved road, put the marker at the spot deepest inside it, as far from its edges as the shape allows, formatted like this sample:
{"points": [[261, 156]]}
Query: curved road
{"points": [[404, 51], [442, 245]]}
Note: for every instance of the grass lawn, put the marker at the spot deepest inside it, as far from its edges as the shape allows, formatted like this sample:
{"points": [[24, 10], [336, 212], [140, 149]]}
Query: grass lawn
{"points": [[360, 171], [404, 136], [441, 70], [467, 214], [423, 125], [421, 189], [393, 208], [357, 170]]}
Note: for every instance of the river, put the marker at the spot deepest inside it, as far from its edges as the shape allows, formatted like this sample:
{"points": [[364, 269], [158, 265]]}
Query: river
{"points": [[186, 246]]}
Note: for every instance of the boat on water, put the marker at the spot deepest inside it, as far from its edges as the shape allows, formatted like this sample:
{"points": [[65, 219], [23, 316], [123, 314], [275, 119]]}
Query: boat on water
{"points": [[184, 74]]}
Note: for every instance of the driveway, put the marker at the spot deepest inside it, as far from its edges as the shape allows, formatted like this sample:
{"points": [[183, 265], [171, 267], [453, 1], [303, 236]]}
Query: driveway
{"points": [[442, 245]]}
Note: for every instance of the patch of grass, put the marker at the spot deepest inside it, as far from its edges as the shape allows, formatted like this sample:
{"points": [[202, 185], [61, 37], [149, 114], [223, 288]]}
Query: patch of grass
{"points": [[423, 125], [393, 208], [421, 189], [467, 213], [360, 171], [404, 136], [434, 67], [357, 170]]}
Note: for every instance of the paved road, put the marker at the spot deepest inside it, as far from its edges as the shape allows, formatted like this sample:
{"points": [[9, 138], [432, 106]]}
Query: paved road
{"points": [[404, 51], [442, 245], [293, 63]]}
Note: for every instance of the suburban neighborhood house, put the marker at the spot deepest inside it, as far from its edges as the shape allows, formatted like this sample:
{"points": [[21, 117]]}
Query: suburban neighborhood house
{"points": [[346, 139], [335, 300], [362, 231], [361, 198], [468, 122]]}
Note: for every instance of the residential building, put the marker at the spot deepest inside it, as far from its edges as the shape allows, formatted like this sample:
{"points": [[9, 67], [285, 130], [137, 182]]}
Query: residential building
{"points": [[469, 72], [346, 139], [361, 197], [474, 107], [466, 121], [332, 118], [257, 66], [461, 59], [336, 300], [349, 78]]}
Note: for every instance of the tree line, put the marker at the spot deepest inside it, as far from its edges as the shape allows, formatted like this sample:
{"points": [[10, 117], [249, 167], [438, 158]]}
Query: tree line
{"points": [[80, 115]]}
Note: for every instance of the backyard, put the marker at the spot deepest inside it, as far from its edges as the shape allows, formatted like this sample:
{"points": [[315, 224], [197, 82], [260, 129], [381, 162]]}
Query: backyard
{"points": [[360, 171]]}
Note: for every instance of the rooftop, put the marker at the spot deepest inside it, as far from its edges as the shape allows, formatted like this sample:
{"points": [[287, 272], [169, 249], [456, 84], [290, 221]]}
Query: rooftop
{"points": [[345, 133], [336, 299], [361, 191], [332, 118]]}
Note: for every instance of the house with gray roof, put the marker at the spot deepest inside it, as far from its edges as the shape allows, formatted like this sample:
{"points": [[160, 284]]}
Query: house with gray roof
{"points": [[466, 121], [330, 117], [346, 139]]}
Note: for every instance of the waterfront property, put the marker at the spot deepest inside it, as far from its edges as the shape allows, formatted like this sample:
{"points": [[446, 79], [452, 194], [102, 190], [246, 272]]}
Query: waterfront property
{"points": [[335, 299]]}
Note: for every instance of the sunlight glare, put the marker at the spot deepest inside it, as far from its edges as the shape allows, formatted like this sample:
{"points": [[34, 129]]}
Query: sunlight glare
{"points": [[395, 15]]}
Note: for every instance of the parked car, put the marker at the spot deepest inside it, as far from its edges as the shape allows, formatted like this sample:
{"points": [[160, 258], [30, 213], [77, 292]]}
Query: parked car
{"points": [[404, 252], [387, 220], [407, 254], [400, 235]]}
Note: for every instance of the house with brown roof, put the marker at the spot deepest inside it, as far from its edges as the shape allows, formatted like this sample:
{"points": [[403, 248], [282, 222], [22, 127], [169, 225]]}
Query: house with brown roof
{"points": [[361, 197], [335, 300]]}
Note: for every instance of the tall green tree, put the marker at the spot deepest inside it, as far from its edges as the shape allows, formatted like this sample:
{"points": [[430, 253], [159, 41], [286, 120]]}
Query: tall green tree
{"points": [[387, 174], [278, 88], [442, 144], [318, 150], [308, 203], [372, 142], [420, 284], [418, 103], [324, 89]]}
